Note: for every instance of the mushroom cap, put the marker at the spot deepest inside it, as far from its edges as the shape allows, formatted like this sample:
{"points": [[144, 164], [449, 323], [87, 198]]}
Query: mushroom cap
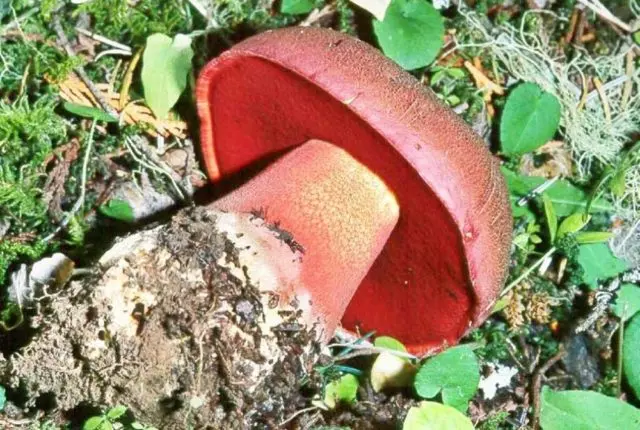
{"points": [[336, 212], [445, 263]]}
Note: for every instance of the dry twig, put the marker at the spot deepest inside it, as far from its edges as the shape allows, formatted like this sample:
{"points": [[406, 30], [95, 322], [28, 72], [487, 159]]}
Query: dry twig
{"points": [[537, 381], [75, 91], [604, 13], [82, 74]]}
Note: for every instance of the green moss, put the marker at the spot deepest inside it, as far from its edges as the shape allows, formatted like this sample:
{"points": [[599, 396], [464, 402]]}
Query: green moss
{"points": [[28, 133], [608, 384], [12, 251], [131, 25], [495, 421], [47, 7], [346, 17], [492, 335], [40, 60]]}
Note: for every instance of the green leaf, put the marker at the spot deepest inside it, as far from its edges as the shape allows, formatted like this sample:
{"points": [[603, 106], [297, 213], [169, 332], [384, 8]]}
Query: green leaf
{"points": [[435, 416], [530, 119], [502, 303], [411, 34], [618, 183], [631, 355], [389, 342], [3, 397], [573, 223], [165, 66], [342, 390], [628, 302], [116, 412], [598, 263], [94, 423], [585, 410], [88, 112], [296, 7], [550, 215], [593, 236], [117, 209], [454, 372], [566, 198]]}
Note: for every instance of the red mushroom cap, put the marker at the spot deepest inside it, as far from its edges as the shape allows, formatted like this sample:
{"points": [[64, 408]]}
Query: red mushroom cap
{"points": [[446, 260], [338, 212]]}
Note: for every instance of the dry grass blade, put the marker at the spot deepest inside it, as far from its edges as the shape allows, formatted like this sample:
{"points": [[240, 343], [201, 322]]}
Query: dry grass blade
{"points": [[132, 112]]}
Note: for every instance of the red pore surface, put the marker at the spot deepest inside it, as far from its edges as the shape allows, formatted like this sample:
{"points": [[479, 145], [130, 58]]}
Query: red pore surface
{"points": [[445, 262], [337, 211]]}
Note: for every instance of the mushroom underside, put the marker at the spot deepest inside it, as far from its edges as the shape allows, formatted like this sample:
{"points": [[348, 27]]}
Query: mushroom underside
{"points": [[418, 290]]}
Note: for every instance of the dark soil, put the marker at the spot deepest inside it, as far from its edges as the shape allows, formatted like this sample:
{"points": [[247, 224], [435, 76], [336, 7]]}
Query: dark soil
{"points": [[178, 367]]}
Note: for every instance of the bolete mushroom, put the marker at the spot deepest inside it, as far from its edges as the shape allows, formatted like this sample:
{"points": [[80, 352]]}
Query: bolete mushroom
{"points": [[445, 261], [338, 239]]}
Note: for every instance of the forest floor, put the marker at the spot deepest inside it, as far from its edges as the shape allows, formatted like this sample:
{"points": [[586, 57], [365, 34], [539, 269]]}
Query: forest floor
{"points": [[85, 158]]}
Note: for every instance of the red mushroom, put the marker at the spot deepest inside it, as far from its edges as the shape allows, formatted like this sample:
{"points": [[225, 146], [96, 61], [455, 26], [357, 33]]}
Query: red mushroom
{"points": [[445, 262], [339, 239]]}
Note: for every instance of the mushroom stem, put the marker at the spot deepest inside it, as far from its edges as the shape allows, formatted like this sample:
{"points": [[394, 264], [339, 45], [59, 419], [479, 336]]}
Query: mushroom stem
{"points": [[333, 210]]}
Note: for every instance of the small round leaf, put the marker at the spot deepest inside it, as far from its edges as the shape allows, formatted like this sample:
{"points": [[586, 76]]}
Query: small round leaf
{"points": [[530, 119], [389, 342], [628, 302], [118, 209], [166, 63], [454, 372], [436, 416], [116, 412], [411, 34], [342, 390], [94, 423], [297, 7]]}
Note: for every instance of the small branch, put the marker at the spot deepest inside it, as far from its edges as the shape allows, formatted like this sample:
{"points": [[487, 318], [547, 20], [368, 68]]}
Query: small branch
{"points": [[82, 74], [296, 414], [537, 380], [603, 99], [104, 40], [128, 78], [317, 15], [603, 297], [361, 350], [141, 152], [537, 191], [17, 20], [482, 80], [83, 184], [112, 52], [604, 13], [528, 271], [572, 25], [628, 85]]}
